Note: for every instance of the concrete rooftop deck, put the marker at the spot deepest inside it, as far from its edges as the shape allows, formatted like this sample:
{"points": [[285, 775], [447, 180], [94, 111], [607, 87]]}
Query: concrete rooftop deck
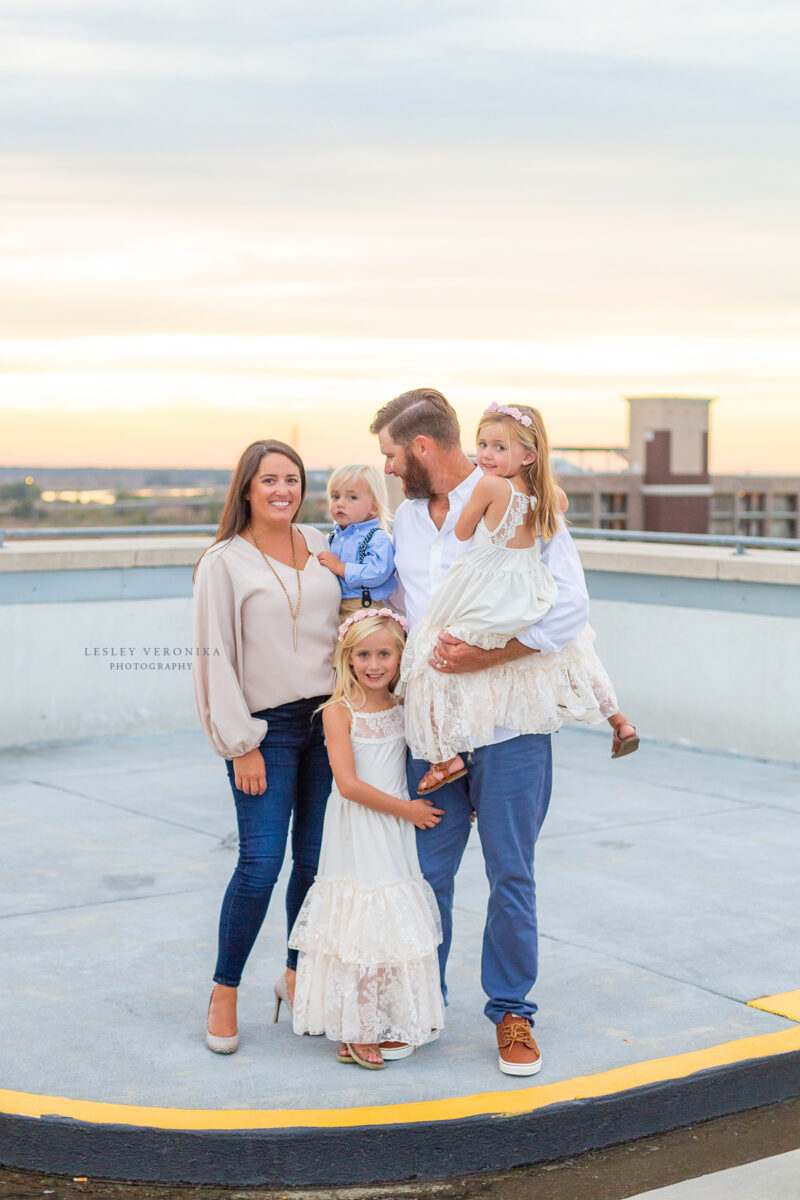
{"points": [[668, 900]]}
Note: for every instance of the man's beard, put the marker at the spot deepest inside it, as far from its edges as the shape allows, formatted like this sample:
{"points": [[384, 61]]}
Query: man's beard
{"points": [[415, 479]]}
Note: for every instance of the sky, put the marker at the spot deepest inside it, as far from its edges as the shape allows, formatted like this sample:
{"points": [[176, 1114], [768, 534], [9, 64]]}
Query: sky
{"points": [[221, 222]]}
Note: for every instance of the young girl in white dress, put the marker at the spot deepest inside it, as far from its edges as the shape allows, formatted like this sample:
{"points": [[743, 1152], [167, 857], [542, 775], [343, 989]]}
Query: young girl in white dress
{"points": [[491, 593], [368, 931]]}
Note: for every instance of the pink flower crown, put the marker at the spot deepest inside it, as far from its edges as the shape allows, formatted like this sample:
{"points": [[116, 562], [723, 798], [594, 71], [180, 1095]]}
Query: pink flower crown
{"points": [[514, 413], [363, 613]]}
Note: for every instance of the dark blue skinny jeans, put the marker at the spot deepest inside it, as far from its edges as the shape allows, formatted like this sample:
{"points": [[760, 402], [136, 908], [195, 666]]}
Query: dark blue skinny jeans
{"points": [[298, 786]]}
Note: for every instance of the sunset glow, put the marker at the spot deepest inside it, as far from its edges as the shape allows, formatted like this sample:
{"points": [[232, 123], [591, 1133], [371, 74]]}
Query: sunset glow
{"points": [[217, 228]]}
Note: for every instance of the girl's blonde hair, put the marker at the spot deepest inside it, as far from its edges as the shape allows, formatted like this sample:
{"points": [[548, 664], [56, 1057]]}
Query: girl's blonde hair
{"points": [[543, 519], [347, 686], [375, 483]]}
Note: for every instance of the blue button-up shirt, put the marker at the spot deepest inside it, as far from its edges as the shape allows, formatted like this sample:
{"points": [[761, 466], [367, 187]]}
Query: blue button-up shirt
{"points": [[377, 570]]}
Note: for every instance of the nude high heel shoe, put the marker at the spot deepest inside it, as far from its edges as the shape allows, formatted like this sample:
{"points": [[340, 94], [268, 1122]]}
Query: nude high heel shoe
{"points": [[281, 990], [220, 1045]]}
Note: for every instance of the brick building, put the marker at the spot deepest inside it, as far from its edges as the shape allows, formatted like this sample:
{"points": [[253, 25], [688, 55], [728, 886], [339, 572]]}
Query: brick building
{"points": [[665, 484]]}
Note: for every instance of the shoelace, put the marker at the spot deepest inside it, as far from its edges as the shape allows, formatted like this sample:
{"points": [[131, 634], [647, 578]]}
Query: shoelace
{"points": [[516, 1032]]}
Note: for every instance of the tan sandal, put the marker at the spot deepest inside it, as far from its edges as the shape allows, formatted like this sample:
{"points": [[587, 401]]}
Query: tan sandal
{"points": [[622, 746], [364, 1062], [344, 1055], [435, 771]]}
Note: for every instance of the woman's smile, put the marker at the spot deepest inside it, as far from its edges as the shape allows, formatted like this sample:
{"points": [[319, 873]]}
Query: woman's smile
{"points": [[275, 490]]}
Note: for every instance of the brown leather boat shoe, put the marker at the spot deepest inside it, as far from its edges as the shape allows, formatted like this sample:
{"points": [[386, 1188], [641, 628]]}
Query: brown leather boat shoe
{"points": [[518, 1052]]}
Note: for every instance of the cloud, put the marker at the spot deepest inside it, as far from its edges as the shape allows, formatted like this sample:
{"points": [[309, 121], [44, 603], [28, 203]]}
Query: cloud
{"points": [[574, 198], [255, 75]]}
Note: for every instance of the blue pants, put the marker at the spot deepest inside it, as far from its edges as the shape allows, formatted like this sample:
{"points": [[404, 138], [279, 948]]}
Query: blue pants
{"points": [[298, 786], [508, 785]]}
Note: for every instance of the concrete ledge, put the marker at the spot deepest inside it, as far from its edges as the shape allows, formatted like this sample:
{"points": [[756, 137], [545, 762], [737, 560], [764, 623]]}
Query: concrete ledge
{"points": [[428, 1140], [693, 562], [102, 553], [690, 562], [678, 591]]}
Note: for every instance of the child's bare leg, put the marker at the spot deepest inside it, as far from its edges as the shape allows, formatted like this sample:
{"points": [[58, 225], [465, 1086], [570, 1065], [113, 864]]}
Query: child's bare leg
{"points": [[441, 773]]}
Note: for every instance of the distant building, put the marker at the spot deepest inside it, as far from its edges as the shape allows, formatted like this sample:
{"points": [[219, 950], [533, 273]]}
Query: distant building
{"points": [[756, 505], [667, 487]]}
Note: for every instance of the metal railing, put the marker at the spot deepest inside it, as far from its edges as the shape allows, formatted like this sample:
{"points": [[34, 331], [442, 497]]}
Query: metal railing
{"points": [[77, 531], [739, 544]]}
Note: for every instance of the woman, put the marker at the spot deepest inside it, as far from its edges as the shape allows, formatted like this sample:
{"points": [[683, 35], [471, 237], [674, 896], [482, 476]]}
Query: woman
{"points": [[266, 615]]}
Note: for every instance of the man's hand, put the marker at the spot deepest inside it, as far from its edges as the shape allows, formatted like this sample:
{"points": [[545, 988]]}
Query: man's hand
{"points": [[331, 562], [451, 656]]}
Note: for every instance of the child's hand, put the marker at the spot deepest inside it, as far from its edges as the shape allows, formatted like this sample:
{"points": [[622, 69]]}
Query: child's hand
{"points": [[331, 562], [423, 814]]}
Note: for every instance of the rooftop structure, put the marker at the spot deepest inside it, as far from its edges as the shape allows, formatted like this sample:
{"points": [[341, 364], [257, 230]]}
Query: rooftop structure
{"points": [[666, 485]]}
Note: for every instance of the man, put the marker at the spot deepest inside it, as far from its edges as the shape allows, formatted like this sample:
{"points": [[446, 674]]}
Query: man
{"points": [[508, 782]]}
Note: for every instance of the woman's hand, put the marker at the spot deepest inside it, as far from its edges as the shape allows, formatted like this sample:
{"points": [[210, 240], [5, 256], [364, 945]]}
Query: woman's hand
{"points": [[250, 774], [423, 814]]}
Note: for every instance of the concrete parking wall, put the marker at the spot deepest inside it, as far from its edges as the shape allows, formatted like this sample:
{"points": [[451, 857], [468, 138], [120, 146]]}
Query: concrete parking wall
{"points": [[703, 645]]}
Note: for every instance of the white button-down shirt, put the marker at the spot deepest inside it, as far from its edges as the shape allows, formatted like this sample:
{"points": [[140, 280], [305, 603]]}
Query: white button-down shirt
{"points": [[424, 553]]}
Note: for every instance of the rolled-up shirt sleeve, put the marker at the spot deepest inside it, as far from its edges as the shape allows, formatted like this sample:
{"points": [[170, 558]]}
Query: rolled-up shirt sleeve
{"points": [[377, 566], [221, 705], [571, 611]]}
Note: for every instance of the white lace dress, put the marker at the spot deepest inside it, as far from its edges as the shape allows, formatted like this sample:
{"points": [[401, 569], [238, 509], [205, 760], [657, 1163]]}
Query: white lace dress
{"points": [[369, 927], [491, 593]]}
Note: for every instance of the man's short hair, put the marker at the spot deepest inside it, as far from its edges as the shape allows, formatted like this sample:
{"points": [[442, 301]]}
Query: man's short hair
{"points": [[422, 411]]}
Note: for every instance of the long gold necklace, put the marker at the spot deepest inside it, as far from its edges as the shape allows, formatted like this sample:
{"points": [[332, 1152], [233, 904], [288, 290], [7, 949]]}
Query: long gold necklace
{"points": [[293, 609]]}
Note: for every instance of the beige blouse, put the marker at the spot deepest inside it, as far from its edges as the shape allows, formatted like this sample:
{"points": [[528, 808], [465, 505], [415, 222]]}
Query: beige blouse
{"points": [[244, 661]]}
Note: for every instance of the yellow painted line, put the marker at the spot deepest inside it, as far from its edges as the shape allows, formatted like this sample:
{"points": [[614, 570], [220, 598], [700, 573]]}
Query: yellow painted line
{"points": [[455, 1108], [786, 1004]]}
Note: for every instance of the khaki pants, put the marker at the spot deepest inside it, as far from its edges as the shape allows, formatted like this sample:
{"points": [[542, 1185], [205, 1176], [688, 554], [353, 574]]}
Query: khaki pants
{"points": [[353, 605]]}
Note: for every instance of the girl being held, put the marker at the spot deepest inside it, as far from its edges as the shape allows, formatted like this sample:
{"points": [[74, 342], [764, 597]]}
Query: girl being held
{"points": [[492, 592], [368, 931]]}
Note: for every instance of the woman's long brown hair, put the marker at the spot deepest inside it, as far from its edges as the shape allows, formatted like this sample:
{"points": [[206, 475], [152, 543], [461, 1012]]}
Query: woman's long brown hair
{"points": [[236, 513], [543, 520]]}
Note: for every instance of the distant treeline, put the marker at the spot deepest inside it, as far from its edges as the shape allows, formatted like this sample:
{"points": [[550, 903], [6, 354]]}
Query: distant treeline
{"points": [[22, 507], [130, 479]]}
